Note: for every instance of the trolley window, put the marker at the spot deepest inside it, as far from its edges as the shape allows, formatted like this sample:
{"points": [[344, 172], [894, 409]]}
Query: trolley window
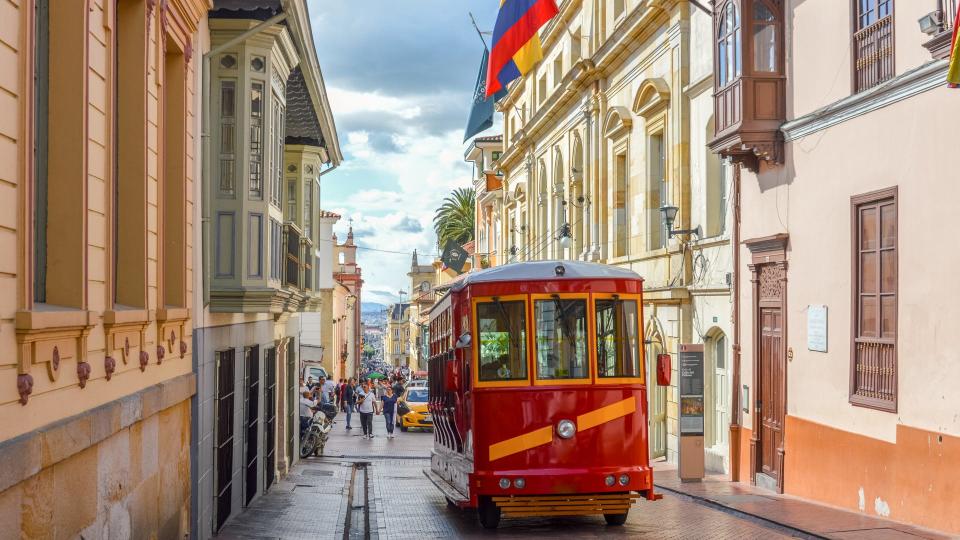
{"points": [[503, 340], [561, 338], [618, 340]]}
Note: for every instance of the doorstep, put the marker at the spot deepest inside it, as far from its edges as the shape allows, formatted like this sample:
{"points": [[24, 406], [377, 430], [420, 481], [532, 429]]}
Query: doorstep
{"points": [[804, 516]]}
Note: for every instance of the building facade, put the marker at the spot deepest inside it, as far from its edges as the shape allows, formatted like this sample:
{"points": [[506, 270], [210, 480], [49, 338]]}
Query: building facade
{"points": [[100, 135], [272, 137], [483, 153], [609, 128], [348, 333], [840, 124], [422, 297]]}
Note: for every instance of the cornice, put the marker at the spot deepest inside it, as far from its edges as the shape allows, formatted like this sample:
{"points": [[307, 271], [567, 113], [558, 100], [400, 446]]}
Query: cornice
{"points": [[916, 81]]}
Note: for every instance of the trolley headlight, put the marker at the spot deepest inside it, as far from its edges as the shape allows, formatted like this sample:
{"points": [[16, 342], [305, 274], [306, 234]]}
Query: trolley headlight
{"points": [[624, 479], [504, 483], [519, 483], [566, 429], [610, 480]]}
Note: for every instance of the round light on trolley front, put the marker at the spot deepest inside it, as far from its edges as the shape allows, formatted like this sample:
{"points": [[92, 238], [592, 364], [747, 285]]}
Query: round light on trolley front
{"points": [[624, 479], [610, 480], [566, 429], [504, 483], [519, 483]]}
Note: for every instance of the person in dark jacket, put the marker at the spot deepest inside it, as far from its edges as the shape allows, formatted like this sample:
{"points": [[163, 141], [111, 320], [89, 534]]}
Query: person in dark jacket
{"points": [[350, 399]]}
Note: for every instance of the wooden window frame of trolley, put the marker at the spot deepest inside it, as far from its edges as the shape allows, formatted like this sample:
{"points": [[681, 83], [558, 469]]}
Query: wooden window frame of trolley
{"points": [[531, 379]]}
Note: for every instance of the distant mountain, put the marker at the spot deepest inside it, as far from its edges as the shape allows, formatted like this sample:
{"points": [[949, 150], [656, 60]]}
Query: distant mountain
{"points": [[371, 307]]}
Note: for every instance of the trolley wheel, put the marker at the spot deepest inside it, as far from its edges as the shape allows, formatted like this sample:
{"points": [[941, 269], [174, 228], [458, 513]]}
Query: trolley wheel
{"points": [[615, 519], [488, 513]]}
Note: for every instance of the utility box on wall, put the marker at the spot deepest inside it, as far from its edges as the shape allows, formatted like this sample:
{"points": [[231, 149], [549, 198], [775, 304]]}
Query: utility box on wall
{"points": [[690, 367]]}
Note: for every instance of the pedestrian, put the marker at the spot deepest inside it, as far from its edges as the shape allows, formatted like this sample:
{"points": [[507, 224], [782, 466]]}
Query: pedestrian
{"points": [[340, 388], [329, 388], [366, 404], [398, 387], [307, 408], [389, 403], [350, 398]]}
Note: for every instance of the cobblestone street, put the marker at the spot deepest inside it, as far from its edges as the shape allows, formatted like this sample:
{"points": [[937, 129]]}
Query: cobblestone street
{"points": [[313, 503]]}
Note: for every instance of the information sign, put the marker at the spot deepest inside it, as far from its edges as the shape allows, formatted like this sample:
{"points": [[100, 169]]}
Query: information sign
{"points": [[817, 328], [691, 389]]}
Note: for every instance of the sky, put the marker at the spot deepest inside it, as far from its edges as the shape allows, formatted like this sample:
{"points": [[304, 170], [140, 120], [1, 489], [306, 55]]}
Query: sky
{"points": [[400, 76]]}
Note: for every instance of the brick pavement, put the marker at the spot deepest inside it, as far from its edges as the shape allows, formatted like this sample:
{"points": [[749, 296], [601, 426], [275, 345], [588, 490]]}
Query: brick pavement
{"points": [[312, 503]]}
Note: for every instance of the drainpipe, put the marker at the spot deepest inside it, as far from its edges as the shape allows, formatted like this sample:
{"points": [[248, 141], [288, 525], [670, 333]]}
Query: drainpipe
{"points": [[206, 191], [736, 418]]}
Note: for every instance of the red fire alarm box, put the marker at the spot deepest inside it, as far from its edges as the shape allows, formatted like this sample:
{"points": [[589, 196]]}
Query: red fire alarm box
{"points": [[663, 369]]}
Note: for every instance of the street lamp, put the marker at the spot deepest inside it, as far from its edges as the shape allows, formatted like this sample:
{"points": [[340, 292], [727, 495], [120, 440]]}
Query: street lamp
{"points": [[669, 215], [564, 237]]}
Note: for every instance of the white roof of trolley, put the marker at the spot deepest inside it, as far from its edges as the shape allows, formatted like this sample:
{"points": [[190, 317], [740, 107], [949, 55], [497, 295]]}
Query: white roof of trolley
{"points": [[545, 270]]}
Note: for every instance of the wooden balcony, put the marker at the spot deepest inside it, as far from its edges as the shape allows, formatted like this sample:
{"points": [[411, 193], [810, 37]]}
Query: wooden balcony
{"points": [[873, 54], [874, 377]]}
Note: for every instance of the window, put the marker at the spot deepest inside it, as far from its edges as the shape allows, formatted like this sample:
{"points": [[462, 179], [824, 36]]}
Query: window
{"points": [[619, 8], [873, 378], [256, 141], [291, 200], [276, 248], [873, 43], [621, 226], [542, 89], [276, 138], [656, 191], [618, 338], [576, 43], [255, 245], [557, 70], [561, 339], [173, 225], [728, 46], [41, 78], [308, 208], [764, 38], [496, 155], [502, 328], [228, 130]]}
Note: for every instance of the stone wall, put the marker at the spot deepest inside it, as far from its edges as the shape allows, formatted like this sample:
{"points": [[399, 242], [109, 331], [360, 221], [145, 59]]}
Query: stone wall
{"points": [[105, 473]]}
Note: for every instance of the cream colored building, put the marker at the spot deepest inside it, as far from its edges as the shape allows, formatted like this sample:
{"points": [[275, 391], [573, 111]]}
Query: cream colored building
{"points": [[272, 138], [396, 343], [846, 164], [99, 145], [608, 128]]}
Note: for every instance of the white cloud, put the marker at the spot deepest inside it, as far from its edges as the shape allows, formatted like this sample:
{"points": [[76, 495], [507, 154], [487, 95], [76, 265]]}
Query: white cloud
{"points": [[346, 102]]}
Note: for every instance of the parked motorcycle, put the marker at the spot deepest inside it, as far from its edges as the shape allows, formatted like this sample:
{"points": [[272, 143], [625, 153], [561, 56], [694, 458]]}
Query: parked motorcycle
{"points": [[314, 439]]}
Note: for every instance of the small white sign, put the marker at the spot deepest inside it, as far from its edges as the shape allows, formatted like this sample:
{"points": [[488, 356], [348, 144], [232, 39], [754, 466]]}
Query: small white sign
{"points": [[817, 328]]}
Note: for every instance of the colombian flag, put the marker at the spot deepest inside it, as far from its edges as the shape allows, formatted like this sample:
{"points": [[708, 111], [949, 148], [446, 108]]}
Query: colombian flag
{"points": [[953, 73], [516, 44]]}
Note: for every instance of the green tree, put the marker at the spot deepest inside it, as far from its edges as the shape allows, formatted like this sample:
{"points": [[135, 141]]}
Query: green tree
{"points": [[454, 220]]}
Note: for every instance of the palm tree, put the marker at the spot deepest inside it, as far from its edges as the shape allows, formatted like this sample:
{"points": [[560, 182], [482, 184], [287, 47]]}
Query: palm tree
{"points": [[454, 219]]}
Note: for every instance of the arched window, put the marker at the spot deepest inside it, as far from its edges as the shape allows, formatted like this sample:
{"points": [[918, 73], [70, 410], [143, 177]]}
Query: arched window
{"points": [[764, 38], [728, 45]]}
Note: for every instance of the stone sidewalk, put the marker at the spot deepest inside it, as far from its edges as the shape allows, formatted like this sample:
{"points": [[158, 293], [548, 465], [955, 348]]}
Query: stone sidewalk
{"points": [[810, 518]]}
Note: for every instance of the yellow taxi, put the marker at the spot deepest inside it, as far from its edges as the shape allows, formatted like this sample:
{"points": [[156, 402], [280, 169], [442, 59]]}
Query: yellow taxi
{"points": [[418, 417]]}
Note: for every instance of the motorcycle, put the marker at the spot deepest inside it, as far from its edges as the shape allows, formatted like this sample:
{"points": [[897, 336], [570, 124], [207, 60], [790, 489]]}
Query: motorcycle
{"points": [[314, 439]]}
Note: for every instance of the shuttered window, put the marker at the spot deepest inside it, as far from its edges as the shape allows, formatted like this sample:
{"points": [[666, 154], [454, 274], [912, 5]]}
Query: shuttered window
{"points": [[873, 373]]}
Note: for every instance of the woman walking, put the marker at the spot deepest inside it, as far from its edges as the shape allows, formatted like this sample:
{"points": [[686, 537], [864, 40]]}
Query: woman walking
{"points": [[366, 400], [389, 402]]}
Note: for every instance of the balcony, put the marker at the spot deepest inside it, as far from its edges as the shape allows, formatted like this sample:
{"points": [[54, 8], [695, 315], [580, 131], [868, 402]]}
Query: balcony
{"points": [[939, 45], [873, 54]]}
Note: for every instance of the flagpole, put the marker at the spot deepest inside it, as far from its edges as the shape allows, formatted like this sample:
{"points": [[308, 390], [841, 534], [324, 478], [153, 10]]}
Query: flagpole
{"points": [[479, 33]]}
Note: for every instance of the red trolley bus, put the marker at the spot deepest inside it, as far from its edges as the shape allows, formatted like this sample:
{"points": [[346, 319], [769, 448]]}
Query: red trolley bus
{"points": [[537, 392]]}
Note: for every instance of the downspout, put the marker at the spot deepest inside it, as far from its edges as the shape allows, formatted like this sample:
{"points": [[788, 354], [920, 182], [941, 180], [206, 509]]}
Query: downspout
{"points": [[206, 192], [736, 418]]}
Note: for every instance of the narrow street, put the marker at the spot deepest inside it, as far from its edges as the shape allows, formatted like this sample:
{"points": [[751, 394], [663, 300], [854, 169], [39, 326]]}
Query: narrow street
{"points": [[376, 489]]}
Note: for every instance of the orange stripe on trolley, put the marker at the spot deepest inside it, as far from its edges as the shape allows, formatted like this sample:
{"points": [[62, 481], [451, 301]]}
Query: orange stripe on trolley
{"points": [[521, 443], [606, 414]]}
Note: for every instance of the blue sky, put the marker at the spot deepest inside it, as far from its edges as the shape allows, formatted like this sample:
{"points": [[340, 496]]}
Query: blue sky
{"points": [[400, 77]]}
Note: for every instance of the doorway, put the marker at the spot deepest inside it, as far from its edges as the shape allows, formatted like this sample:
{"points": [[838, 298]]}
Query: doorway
{"points": [[656, 395], [270, 417], [223, 436], [252, 424], [769, 278], [716, 433]]}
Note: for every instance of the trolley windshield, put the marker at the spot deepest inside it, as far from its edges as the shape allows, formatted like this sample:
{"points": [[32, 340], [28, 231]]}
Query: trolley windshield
{"points": [[503, 340]]}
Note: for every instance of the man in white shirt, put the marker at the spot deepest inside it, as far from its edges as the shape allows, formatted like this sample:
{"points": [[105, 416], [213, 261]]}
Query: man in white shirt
{"points": [[366, 403], [307, 406], [329, 388]]}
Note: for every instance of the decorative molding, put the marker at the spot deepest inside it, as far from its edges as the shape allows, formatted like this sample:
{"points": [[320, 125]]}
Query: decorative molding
{"points": [[109, 366], [24, 387], [144, 360], [916, 81], [652, 97], [83, 373], [161, 352], [617, 122]]}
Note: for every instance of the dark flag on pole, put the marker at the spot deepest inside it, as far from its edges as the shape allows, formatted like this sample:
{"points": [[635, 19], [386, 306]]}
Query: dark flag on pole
{"points": [[454, 256], [481, 113]]}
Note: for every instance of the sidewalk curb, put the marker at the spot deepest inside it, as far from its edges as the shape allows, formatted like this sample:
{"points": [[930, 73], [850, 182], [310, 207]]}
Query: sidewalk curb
{"points": [[710, 503]]}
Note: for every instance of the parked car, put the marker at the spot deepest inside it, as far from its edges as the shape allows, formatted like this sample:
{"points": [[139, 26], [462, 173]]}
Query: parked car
{"points": [[418, 417], [314, 371]]}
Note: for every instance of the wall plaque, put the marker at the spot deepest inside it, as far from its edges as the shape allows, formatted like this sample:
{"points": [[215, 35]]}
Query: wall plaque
{"points": [[817, 327]]}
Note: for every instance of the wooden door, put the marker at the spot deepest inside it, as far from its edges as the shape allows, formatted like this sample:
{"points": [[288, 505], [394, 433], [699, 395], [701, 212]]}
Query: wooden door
{"points": [[771, 392], [223, 435]]}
